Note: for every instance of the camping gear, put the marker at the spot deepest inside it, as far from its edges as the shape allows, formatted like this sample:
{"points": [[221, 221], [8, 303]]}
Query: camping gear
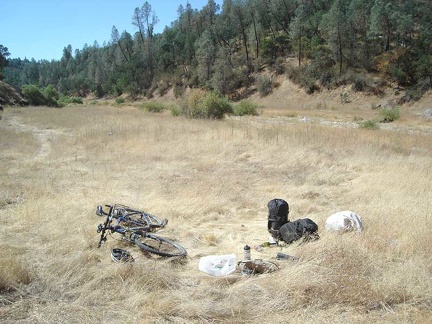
{"points": [[278, 210], [301, 228], [121, 255], [246, 253], [281, 228], [344, 221], [257, 267], [283, 256]]}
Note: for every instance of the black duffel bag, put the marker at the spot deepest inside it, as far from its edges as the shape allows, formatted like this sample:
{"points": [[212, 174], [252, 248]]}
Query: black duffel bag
{"points": [[301, 228]]}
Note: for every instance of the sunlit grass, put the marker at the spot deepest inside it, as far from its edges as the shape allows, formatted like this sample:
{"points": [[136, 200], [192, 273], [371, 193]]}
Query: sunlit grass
{"points": [[212, 180]]}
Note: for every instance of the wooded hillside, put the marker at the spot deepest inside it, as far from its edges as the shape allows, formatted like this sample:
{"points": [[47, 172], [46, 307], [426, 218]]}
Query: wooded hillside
{"points": [[316, 43]]}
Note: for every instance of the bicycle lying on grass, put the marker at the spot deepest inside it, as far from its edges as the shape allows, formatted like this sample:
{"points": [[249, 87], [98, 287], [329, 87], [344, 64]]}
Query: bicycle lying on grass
{"points": [[136, 226]]}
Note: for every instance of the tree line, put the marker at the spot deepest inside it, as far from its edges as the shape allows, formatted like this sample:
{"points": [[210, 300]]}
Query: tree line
{"points": [[316, 43]]}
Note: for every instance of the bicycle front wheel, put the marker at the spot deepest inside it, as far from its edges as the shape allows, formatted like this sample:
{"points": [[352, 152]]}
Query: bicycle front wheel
{"points": [[160, 245]]}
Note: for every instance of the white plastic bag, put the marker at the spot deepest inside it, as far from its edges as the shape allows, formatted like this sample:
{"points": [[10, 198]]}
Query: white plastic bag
{"points": [[344, 221], [218, 265]]}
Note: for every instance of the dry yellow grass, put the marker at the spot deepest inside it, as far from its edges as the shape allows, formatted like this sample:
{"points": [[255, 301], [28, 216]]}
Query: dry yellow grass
{"points": [[212, 180]]}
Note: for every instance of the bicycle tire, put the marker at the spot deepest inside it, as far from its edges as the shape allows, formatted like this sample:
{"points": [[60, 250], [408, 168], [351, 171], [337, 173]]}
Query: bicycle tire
{"points": [[160, 245], [135, 216]]}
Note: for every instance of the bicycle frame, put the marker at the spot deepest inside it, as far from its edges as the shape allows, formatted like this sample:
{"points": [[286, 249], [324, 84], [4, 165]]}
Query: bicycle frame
{"points": [[146, 222], [114, 214], [127, 214], [135, 227]]}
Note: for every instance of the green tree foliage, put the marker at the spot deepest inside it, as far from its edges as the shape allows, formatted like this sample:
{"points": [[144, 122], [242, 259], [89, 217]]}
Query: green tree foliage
{"points": [[33, 94], [41, 97], [221, 48], [359, 17], [336, 28], [205, 55], [4, 53]]}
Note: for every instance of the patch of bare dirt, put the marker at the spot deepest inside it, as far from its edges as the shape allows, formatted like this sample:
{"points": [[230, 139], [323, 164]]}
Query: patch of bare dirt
{"points": [[342, 107]]}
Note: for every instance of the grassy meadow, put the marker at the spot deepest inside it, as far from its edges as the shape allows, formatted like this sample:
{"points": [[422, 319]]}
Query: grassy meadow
{"points": [[212, 180]]}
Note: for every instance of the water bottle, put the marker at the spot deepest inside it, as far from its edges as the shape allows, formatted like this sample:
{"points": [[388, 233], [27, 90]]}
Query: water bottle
{"points": [[283, 256], [246, 253]]}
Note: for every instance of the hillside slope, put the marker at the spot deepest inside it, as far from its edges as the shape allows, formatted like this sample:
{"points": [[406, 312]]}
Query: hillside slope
{"points": [[11, 96]]}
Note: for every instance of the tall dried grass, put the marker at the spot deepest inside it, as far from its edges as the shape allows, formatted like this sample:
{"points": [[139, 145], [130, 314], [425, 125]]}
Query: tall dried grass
{"points": [[212, 180]]}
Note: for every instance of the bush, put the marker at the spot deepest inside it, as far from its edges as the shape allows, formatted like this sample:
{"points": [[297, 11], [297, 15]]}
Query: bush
{"points": [[153, 106], [302, 75], [179, 90], [175, 110], [33, 94], [389, 115], [308, 84], [207, 105], [294, 72], [369, 124], [359, 80], [119, 100], [264, 85], [246, 107], [216, 106], [51, 96], [361, 83], [279, 66], [193, 107], [41, 97], [70, 100]]}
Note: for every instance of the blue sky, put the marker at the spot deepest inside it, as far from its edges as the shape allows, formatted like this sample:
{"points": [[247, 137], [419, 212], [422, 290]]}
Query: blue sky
{"points": [[40, 29]]}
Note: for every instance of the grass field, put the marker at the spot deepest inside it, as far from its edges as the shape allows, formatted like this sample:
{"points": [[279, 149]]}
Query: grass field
{"points": [[212, 180]]}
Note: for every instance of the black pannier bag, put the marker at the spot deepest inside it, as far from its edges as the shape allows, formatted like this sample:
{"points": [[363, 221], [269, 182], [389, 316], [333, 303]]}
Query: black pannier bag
{"points": [[278, 210], [301, 228]]}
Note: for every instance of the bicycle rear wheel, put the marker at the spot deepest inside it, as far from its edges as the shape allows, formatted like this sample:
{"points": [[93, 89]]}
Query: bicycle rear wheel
{"points": [[137, 217], [160, 245]]}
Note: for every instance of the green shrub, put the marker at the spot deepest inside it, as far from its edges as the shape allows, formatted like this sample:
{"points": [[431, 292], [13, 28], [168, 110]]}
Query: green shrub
{"points": [[279, 66], [70, 100], [76, 100], [368, 124], [264, 85], [201, 104], [192, 106], [175, 110], [153, 106], [216, 107], [246, 107], [51, 96], [361, 83], [389, 115], [33, 94], [119, 100], [41, 97]]}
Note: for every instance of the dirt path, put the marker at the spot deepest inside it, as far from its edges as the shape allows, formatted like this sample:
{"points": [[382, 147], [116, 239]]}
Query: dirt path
{"points": [[44, 136]]}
